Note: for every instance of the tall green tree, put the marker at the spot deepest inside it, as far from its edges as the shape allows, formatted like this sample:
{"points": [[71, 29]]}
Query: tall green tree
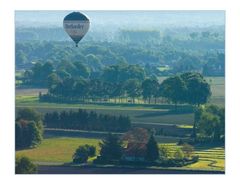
{"points": [[152, 153], [198, 92], [133, 88], [111, 148], [211, 123], [28, 128], [174, 89], [149, 89]]}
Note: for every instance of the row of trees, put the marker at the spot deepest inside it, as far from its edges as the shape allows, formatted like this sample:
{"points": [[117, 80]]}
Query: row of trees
{"points": [[48, 74], [28, 128], [83, 120], [189, 88]]}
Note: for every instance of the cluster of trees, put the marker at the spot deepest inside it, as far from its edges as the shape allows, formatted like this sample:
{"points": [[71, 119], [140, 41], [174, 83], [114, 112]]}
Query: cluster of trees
{"points": [[210, 123], [189, 88], [180, 54], [83, 120], [48, 75], [83, 152], [28, 128]]}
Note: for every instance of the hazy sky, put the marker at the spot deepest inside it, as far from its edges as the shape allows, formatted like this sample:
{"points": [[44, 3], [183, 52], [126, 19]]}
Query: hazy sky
{"points": [[130, 19]]}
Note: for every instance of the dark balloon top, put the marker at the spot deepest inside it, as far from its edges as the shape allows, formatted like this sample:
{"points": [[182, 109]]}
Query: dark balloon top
{"points": [[75, 16]]}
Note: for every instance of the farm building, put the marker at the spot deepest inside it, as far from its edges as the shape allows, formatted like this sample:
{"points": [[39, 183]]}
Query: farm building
{"points": [[135, 151]]}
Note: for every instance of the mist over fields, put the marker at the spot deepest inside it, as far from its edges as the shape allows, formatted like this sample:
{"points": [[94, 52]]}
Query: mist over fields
{"points": [[105, 25]]}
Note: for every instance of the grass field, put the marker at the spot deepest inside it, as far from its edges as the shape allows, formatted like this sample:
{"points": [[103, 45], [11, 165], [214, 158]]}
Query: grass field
{"points": [[138, 112], [60, 150]]}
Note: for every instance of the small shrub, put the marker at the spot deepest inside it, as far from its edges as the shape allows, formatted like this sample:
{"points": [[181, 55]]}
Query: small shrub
{"points": [[188, 150], [179, 155], [83, 152], [23, 165]]}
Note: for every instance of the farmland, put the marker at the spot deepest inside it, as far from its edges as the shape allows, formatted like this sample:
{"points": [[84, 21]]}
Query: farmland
{"points": [[58, 146], [143, 113], [59, 150]]}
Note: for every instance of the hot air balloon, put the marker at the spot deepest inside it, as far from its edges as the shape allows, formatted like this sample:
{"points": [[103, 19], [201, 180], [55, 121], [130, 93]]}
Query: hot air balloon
{"points": [[76, 25]]}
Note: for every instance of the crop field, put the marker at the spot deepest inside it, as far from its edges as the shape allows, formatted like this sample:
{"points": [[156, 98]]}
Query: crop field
{"points": [[210, 157], [60, 150]]}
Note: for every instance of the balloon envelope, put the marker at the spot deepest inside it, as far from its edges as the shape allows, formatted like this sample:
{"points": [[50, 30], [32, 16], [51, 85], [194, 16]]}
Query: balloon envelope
{"points": [[76, 25]]}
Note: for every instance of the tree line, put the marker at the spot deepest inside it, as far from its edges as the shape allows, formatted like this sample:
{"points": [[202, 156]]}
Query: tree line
{"points": [[83, 120], [189, 88]]}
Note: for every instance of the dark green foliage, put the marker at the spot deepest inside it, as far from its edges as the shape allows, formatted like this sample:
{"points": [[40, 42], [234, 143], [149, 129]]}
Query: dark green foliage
{"points": [[174, 89], [83, 120], [133, 88], [28, 114], [38, 75], [152, 152], [23, 165], [111, 148], [28, 128], [210, 123], [83, 152], [178, 161], [121, 73], [189, 88], [52, 80], [198, 90], [150, 89], [27, 134]]}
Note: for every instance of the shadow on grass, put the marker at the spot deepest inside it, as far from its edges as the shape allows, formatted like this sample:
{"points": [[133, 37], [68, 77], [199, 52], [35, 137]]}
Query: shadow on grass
{"points": [[164, 113], [153, 106]]}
